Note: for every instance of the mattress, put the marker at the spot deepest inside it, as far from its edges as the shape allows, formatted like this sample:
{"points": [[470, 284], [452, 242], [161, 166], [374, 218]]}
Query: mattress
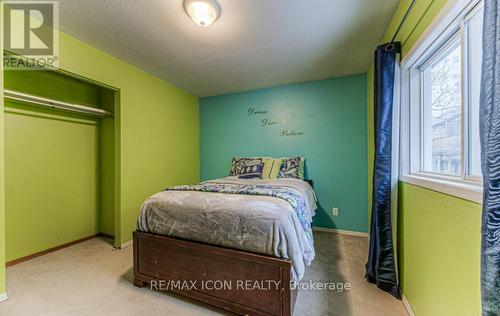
{"points": [[271, 217]]}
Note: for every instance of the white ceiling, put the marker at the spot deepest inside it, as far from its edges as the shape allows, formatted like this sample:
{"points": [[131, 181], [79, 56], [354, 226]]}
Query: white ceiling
{"points": [[253, 44]]}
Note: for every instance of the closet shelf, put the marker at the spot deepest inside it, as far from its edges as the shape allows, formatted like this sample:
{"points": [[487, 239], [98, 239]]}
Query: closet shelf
{"points": [[54, 104]]}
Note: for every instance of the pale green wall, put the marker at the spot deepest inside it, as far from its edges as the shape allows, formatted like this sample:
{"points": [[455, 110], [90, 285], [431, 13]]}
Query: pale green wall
{"points": [[439, 252], [159, 127], [53, 158], [106, 216], [2, 176], [439, 235], [159, 130], [51, 178]]}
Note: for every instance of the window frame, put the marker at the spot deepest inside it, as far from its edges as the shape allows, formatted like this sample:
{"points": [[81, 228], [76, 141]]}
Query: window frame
{"points": [[446, 47], [449, 25]]}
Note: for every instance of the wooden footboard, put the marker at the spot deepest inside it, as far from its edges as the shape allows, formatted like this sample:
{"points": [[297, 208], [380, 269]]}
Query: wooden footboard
{"points": [[237, 281]]}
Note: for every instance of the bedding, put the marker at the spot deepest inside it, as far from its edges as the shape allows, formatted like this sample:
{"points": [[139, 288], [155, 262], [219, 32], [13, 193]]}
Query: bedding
{"points": [[239, 164], [252, 172], [271, 168], [292, 167], [271, 217]]}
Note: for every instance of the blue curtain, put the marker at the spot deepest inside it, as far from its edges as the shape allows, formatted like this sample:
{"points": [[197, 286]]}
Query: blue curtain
{"points": [[490, 150], [381, 265]]}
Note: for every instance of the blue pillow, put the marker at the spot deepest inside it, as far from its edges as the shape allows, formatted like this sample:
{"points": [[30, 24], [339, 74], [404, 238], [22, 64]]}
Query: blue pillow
{"points": [[252, 172]]}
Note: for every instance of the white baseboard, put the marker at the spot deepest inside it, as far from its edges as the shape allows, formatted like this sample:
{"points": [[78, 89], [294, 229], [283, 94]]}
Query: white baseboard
{"points": [[340, 231], [3, 297], [407, 305]]}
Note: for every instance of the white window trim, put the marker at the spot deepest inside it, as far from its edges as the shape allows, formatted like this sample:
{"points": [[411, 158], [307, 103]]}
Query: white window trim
{"points": [[447, 22], [470, 191]]}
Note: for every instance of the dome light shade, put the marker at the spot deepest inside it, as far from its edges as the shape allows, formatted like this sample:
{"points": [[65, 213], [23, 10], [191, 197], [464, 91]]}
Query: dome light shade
{"points": [[202, 12]]}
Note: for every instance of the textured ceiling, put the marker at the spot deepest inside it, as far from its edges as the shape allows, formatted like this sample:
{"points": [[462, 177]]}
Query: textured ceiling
{"points": [[253, 44]]}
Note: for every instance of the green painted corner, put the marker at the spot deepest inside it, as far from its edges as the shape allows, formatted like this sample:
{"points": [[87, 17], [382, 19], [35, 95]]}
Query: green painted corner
{"points": [[2, 172], [156, 126], [158, 129], [439, 252]]}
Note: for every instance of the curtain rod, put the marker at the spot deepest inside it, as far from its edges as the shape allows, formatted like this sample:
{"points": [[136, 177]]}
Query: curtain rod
{"points": [[390, 46], [54, 104]]}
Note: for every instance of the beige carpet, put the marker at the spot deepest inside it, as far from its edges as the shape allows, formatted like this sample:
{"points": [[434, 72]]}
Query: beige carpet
{"points": [[91, 278]]}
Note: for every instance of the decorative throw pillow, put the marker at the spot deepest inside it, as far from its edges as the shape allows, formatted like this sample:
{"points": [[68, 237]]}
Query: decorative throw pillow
{"points": [[239, 164], [252, 172], [268, 164], [291, 168], [271, 167], [275, 170]]}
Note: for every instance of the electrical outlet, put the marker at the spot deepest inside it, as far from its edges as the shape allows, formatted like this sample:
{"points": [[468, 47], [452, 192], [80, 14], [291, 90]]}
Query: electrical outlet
{"points": [[335, 211]]}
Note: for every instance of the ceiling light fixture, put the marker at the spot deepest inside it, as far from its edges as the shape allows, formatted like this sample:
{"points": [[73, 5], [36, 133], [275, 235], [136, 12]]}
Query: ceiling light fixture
{"points": [[202, 12]]}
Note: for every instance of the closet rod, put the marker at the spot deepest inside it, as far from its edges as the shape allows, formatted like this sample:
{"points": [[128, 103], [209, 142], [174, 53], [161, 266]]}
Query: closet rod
{"points": [[54, 104]]}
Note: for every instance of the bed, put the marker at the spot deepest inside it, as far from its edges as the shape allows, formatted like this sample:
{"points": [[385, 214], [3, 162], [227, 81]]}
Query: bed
{"points": [[238, 244]]}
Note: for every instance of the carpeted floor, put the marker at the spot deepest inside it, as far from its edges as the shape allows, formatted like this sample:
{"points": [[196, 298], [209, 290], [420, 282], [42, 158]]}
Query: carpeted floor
{"points": [[91, 278]]}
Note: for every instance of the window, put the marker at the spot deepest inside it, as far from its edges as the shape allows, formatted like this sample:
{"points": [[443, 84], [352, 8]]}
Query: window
{"points": [[440, 90], [474, 51], [442, 110]]}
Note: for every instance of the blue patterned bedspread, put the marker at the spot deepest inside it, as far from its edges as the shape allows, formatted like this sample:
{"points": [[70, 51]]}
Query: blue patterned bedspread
{"points": [[288, 194]]}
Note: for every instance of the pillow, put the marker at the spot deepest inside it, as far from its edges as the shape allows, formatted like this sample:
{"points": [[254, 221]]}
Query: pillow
{"points": [[301, 167], [252, 172], [292, 167], [271, 168], [239, 164]]}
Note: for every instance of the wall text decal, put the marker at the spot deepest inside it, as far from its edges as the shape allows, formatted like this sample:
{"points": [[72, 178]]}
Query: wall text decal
{"points": [[266, 122], [291, 132], [253, 111]]}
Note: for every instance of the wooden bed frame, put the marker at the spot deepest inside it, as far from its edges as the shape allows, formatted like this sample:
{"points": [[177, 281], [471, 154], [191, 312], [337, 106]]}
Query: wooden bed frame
{"points": [[237, 281]]}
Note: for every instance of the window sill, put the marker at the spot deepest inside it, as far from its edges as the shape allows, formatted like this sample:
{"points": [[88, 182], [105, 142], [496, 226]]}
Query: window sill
{"points": [[461, 189]]}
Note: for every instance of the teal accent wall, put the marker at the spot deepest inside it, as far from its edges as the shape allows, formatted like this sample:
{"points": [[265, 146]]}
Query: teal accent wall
{"points": [[331, 114]]}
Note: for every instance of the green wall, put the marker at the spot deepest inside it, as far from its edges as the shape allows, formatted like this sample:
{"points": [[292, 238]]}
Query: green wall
{"points": [[159, 131], [53, 158], [106, 215], [51, 178], [439, 252], [157, 142], [2, 170], [438, 235], [332, 116]]}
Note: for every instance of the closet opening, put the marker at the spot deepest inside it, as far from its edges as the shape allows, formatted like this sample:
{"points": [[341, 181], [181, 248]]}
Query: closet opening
{"points": [[61, 169]]}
